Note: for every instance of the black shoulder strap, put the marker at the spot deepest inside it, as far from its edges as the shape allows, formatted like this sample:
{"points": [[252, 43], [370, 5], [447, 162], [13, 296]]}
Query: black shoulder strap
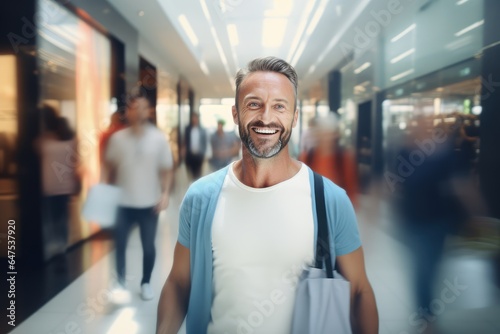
{"points": [[322, 239]]}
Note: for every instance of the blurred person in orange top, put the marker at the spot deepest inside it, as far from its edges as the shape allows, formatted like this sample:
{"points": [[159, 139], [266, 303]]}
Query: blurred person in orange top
{"points": [[328, 158]]}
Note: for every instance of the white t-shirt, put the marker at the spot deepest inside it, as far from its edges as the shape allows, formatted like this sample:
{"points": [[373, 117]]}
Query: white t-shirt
{"points": [[261, 240], [138, 161]]}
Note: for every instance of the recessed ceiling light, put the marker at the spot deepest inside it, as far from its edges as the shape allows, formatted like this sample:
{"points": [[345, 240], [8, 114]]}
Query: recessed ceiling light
{"points": [[140, 13], [233, 34]]}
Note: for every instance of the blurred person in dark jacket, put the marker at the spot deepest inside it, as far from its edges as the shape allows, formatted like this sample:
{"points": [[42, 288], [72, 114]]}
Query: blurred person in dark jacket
{"points": [[425, 203], [195, 146]]}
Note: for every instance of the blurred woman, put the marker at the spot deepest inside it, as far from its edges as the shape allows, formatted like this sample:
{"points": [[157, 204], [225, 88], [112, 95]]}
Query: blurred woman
{"points": [[59, 160]]}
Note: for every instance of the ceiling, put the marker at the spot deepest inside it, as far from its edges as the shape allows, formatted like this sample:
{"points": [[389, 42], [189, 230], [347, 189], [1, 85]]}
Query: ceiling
{"points": [[312, 31]]}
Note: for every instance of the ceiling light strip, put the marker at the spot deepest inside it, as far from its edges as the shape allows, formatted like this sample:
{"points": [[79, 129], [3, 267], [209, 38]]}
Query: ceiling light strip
{"points": [[402, 56], [232, 33], [217, 41], [317, 16], [300, 29], [362, 67], [348, 24], [312, 25], [403, 33], [188, 30], [469, 28]]}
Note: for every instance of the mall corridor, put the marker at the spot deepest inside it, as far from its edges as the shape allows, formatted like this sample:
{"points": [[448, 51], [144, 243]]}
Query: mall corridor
{"points": [[85, 305]]}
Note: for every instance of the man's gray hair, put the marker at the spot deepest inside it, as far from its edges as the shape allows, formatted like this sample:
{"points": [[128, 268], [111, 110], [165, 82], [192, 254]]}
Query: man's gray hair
{"points": [[267, 64]]}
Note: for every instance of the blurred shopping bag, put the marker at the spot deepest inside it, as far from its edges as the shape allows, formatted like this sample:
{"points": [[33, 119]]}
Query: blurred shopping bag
{"points": [[322, 303], [101, 204]]}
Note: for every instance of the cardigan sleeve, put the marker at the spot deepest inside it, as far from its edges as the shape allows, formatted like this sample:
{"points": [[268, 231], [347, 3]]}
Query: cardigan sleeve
{"points": [[345, 234], [184, 237]]}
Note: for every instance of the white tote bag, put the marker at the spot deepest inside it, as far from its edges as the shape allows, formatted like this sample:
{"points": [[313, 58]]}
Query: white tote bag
{"points": [[101, 204], [322, 303]]}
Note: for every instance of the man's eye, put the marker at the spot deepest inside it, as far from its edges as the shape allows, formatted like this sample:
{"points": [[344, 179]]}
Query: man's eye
{"points": [[253, 105], [280, 107]]}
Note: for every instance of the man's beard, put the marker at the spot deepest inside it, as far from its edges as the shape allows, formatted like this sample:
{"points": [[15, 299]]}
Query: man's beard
{"points": [[259, 152]]}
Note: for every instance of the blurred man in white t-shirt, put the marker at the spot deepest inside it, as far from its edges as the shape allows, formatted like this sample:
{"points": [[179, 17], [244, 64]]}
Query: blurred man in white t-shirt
{"points": [[140, 160]]}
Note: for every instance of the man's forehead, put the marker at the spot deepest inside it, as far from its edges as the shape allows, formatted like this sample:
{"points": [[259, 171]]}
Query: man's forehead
{"points": [[265, 80]]}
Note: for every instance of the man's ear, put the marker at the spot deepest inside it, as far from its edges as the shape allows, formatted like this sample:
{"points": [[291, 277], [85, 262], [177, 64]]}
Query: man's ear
{"points": [[235, 115], [295, 117]]}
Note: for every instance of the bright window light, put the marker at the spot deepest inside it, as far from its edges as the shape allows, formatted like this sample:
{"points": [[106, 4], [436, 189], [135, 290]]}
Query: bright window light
{"points": [[227, 101], [402, 56], [403, 33], [233, 34], [280, 8], [188, 30], [469, 28], [273, 31]]}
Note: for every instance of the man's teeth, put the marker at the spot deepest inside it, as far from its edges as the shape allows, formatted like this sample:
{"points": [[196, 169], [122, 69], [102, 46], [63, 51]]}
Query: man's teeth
{"points": [[265, 131]]}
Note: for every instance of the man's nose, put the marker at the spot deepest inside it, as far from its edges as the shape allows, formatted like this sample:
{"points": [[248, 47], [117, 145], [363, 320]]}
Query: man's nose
{"points": [[266, 113]]}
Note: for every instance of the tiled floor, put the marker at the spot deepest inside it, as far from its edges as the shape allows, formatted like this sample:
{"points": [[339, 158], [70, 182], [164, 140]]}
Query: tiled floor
{"points": [[85, 307]]}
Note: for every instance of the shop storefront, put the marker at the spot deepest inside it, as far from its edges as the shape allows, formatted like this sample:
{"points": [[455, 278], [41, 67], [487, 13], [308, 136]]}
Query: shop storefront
{"points": [[58, 54]]}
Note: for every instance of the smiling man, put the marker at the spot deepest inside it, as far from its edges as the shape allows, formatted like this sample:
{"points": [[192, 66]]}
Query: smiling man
{"points": [[246, 231]]}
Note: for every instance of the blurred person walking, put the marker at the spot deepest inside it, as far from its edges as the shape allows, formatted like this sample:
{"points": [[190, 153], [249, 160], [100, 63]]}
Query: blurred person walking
{"points": [[225, 147], [326, 157], [247, 230], [195, 146], [57, 147], [425, 203], [140, 158]]}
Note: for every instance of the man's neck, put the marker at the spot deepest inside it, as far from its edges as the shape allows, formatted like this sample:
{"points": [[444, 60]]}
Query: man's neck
{"points": [[138, 128], [263, 173]]}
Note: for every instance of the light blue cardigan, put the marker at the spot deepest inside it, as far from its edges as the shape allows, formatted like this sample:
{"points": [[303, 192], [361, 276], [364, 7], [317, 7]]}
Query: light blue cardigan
{"points": [[195, 232]]}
